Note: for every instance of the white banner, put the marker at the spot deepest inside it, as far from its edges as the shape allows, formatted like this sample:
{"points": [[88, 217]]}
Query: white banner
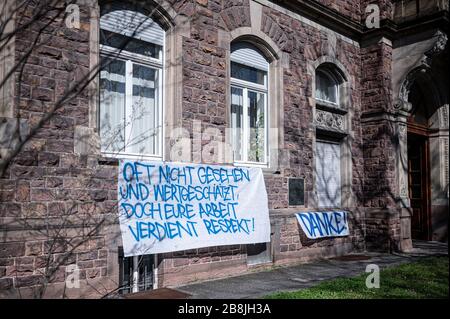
{"points": [[323, 224], [166, 207]]}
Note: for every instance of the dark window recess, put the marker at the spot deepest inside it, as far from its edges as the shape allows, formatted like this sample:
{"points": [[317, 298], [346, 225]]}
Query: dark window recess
{"points": [[145, 270], [296, 191], [258, 253], [247, 73], [125, 43]]}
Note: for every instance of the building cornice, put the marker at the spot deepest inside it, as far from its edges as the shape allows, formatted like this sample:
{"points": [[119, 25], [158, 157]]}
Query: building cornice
{"points": [[356, 31], [324, 16]]}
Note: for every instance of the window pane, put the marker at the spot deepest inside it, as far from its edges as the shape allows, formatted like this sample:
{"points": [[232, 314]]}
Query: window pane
{"points": [[237, 122], [145, 272], [256, 115], [144, 114], [126, 274], [112, 105], [416, 191], [125, 43], [328, 174], [246, 73], [326, 87]]}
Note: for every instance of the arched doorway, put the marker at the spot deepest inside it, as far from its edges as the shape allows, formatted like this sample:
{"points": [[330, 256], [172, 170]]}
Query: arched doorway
{"points": [[419, 189], [421, 81], [426, 131]]}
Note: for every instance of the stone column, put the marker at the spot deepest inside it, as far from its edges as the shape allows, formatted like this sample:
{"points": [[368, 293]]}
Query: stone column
{"points": [[384, 138], [405, 241], [401, 157], [439, 174]]}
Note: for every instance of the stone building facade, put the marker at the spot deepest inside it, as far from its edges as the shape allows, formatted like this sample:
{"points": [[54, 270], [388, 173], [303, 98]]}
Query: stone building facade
{"points": [[58, 197]]}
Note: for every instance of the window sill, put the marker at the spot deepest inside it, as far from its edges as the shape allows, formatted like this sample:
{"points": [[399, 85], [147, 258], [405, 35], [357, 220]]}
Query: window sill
{"points": [[330, 107], [251, 164], [115, 157]]}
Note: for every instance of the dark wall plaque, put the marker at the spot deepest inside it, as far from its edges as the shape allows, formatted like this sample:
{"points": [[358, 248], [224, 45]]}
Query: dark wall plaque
{"points": [[296, 191]]}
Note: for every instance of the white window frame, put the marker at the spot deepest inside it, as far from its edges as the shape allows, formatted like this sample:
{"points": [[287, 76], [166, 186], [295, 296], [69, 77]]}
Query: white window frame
{"points": [[245, 86], [336, 87], [131, 58]]}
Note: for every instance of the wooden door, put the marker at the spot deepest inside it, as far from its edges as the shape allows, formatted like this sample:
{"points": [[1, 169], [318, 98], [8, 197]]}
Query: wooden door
{"points": [[419, 185]]}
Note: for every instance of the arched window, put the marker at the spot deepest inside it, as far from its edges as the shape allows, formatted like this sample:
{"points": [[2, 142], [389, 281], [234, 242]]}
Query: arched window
{"points": [[249, 89], [327, 86], [331, 173], [131, 48]]}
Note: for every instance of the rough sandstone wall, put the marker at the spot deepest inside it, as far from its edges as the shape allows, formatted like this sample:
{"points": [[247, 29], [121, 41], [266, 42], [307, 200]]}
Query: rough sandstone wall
{"points": [[49, 179], [49, 194], [348, 8], [380, 140]]}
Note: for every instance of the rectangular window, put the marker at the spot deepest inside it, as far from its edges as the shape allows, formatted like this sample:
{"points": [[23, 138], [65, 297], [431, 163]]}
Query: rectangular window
{"points": [[249, 114], [144, 114], [237, 124], [328, 174], [248, 119], [129, 108], [130, 95], [256, 118], [112, 109], [136, 273]]}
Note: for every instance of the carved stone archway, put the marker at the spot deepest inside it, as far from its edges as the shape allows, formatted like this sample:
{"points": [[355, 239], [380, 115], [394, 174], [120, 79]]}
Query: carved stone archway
{"points": [[427, 76], [417, 64]]}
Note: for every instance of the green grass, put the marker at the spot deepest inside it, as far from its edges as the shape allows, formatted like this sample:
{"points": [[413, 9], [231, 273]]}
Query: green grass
{"points": [[427, 278]]}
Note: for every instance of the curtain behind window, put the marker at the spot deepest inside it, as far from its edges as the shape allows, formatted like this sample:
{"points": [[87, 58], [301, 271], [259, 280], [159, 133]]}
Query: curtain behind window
{"points": [[112, 110], [328, 174], [144, 113]]}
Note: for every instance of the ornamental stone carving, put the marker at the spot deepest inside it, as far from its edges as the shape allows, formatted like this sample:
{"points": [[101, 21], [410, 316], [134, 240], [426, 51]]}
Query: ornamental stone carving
{"points": [[402, 136], [329, 120], [437, 48], [402, 104]]}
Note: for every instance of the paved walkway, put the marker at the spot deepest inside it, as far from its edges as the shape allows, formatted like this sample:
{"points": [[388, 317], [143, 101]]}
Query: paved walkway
{"points": [[256, 285]]}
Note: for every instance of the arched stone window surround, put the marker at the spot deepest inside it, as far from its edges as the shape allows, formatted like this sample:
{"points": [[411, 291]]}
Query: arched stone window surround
{"points": [[333, 123], [423, 76], [87, 139], [341, 74], [420, 69], [276, 60]]}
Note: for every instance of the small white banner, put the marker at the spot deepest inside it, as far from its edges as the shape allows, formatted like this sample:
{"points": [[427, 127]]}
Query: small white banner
{"points": [[323, 224], [166, 207]]}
